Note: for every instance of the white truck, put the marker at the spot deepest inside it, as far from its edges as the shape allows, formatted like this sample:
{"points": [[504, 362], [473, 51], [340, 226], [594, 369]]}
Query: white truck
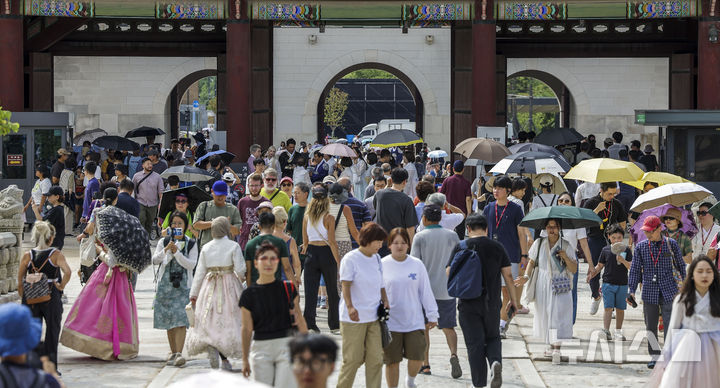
{"points": [[368, 132]]}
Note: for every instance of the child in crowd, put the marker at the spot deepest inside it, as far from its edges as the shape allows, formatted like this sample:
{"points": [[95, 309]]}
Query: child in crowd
{"points": [[615, 258]]}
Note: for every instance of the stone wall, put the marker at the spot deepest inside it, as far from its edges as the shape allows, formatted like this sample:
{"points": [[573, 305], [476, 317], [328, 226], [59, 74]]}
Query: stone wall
{"points": [[121, 93], [11, 227], [606, 91], [302, 70]]}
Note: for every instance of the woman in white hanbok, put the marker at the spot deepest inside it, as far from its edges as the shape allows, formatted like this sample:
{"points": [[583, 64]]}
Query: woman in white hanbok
{"points": [[691, 355], [552, 256]]}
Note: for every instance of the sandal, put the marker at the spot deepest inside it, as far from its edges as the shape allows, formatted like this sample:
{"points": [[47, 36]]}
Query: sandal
{"points": [[425, 370]]}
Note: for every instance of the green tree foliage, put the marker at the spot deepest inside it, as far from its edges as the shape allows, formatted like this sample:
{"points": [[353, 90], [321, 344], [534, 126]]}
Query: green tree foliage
{"points": [[521, 86], [207, 91], [6, 126], [369, 74], [336, 104], [212, 105]]}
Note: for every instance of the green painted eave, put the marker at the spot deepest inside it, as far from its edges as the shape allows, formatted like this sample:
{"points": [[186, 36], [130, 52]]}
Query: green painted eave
{"points": [[119, 8], [361, 10], [596, 9]]}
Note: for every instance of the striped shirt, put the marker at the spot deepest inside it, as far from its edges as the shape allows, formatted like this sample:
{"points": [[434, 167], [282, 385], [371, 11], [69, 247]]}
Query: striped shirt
{"points": [[360, 213], [644, 269]]}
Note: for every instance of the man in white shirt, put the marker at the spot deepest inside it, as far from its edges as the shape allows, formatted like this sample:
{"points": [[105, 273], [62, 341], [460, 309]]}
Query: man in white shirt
{"points": [[448, 221]]}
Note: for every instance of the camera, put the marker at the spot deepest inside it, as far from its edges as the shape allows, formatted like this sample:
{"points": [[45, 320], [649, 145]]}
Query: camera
{"points": [[176, 278]]}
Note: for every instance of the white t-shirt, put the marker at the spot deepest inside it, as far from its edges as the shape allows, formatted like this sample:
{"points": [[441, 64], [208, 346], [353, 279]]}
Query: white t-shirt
{"points": [[365, 273], [702, 241], [408, 288], [544, 200], [41, 187], [448, 221], [570, 235]]}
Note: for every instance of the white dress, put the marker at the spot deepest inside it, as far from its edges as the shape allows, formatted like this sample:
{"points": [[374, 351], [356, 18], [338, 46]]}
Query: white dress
{"points": [[553, 312], [691, 355], [412, 180]]}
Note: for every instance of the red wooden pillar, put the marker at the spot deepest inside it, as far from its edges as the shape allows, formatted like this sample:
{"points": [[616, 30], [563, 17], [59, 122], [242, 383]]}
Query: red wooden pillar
{"points": [[238, 82], [708, 65], [483, 65], [12, 84]]}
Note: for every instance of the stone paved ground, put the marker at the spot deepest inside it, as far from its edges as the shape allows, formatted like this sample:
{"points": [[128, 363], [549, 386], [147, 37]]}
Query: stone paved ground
{"points": [[523, 366]]}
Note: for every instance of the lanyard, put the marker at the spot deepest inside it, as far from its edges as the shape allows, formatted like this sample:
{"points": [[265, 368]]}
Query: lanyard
{"points": [[608, 211], [652, 257], [497, 220], [705, 236]]}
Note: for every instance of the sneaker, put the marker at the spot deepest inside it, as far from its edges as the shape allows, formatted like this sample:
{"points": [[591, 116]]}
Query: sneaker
{"points": [[606, 334], [619, 335], [171, 359], [425, 370], [651, 365], [179, 361], [503, 331], [214, 357], [456, 371], [548, 352], [335, 331], [226, 365], [594, 306], [496, 375], [556, 357], [523, 310]]}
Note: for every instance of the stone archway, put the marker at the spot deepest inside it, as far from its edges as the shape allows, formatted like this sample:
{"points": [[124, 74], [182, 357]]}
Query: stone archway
{"points": [[417, 97], [562, 93], [176, 94]]}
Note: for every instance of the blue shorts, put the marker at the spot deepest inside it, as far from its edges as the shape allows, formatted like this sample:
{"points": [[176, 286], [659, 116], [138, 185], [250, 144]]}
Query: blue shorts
{"points": [[614, 296], [447, 312]]}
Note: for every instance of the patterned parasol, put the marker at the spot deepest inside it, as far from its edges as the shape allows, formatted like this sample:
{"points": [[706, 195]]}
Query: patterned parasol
{"points": [[125, 238]]}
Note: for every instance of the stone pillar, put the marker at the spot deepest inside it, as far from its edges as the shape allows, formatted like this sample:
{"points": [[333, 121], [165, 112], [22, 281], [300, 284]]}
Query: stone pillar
{"points": [[483, 65], [11, 58], [238, 82], [11, 227], [708, 65]]}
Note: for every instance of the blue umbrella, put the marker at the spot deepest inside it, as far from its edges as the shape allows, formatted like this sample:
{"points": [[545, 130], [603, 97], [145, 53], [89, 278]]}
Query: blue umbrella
{"points": [[226, 157]]}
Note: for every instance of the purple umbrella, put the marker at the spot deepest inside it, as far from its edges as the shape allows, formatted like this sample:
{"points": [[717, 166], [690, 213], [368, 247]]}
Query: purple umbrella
{"points": [[688, 221]]}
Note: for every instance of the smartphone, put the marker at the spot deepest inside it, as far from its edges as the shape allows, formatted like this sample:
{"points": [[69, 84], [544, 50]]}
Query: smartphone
{"points": [[177, 232], [631, 301], [511, 312]]}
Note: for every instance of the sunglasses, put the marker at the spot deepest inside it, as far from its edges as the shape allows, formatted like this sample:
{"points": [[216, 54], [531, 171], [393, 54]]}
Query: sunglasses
{"points": [[664, 219], [702, 213], [286, 185], [181, 201], [271, 179]]}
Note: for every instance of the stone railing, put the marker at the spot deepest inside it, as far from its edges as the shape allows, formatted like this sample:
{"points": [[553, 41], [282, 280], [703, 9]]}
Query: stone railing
{"points": [[11, 228]]}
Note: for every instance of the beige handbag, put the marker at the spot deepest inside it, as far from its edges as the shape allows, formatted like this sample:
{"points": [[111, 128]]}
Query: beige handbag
{"points": [[532, 283], [190, 311]]}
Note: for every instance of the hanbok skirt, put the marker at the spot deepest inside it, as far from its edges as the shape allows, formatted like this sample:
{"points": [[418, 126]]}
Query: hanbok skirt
{"points": [[691, 361], [103, 321], [218, 320]]}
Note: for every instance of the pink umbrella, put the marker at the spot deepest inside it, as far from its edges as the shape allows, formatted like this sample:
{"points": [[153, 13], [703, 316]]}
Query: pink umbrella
{"points": [[337, 149], [688, 221]]}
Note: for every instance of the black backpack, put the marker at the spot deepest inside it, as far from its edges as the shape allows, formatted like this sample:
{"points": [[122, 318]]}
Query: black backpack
{"points": [[9, 381]]}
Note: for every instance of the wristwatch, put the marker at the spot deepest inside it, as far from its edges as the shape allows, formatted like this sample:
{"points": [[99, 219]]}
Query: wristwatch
{"points": [[521, 256]]}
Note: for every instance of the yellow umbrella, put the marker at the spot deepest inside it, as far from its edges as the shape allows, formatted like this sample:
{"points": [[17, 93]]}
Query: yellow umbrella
{"points": [[661, 178], [604, 170]]}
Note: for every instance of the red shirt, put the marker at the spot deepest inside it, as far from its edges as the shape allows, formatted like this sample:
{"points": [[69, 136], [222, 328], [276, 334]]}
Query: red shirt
{"points": [[456, 188]]}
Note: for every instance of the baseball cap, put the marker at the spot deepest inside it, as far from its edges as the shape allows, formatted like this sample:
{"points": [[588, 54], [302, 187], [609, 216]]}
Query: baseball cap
{"points": [[63, 151], [458, 165], [220, 188], [329, 179], [432, 211], [651, 223], [286, 179], [263, 204], [319, 192], [54, 190]]}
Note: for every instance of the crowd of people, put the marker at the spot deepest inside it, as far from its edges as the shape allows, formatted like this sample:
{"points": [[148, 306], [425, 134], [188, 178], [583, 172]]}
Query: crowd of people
{"points": [[374, 238]]}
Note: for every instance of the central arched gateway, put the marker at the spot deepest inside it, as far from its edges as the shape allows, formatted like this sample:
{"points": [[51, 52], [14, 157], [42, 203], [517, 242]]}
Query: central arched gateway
{"points": [[417, 97]]}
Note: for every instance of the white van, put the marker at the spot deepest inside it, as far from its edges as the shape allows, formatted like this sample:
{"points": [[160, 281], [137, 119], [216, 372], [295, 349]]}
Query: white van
{"points": [[369, 131]]}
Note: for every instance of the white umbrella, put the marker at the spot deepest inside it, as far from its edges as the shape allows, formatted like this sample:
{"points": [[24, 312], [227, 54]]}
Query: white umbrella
{"points": [[678, 194], [437, 154], [531, 162]]}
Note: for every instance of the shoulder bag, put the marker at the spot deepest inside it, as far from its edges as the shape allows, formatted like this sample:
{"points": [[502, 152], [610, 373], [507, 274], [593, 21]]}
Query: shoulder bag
{"points": [[677, 276], [560, 283], [36, 288], [383, 315]]}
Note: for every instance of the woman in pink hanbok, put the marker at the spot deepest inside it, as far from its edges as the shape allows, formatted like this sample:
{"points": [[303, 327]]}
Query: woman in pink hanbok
{"points": [[691, 355], [103, 321]]}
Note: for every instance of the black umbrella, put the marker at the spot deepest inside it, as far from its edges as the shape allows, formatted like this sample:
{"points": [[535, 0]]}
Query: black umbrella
{"points": [[145, 131], [125, 237], [194, 194], [116, 143], [187, 174], [524, 147], [396, 138], [88, 135], [558, 136], [226, 157]]}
